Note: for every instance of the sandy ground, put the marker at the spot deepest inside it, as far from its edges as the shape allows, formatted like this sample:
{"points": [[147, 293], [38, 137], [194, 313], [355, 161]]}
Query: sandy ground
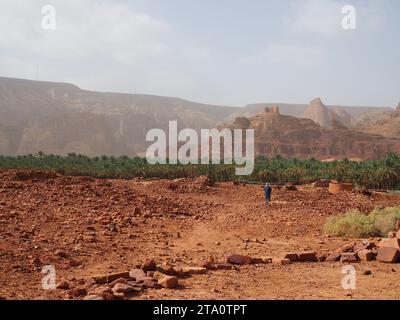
{"points": [[85, 227]]}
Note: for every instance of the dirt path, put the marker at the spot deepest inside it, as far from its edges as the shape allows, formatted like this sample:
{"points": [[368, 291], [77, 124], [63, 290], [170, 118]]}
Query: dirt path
{"points": [[85, 227]]}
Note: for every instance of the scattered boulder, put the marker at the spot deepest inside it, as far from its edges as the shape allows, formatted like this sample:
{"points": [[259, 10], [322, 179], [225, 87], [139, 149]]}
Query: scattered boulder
{"points": [[388, 254], [151, 284], [391, 234], [108, 278], [137, 274], [208, 264], [238, 259], [124, 288], [158, 275], [166, 269], [104, 291], [365, 255], [307, 256], [149, 265], [291, 256], [333, 257], [348, 257], [258, 261], [222, 266], [365, 244], [169, 282], [78, 292], [348, 247], [194, 270], [281, 261], [391, 243], [63, 285], [367, 272]]}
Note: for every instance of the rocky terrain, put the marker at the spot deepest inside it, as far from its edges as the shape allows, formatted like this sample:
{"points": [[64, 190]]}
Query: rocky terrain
{"points": [[61, 118], [327, 118], [117, 239], [297, 110], [277, 134], [385, 123]]}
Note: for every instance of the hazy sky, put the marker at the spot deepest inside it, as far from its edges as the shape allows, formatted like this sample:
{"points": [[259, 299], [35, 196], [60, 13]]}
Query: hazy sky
{"points": [[229, 52]]}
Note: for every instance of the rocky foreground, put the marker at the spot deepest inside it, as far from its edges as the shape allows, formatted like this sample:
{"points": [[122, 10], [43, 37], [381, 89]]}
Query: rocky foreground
{"points": [[115, 239]]}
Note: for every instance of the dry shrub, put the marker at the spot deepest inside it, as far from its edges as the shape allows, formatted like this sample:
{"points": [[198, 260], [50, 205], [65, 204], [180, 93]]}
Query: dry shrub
{"points": [[359, 225]]}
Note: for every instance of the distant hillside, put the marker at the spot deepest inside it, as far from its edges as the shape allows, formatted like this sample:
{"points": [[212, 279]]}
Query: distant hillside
{"points": [[277, 134], [61, 118], [297, 110], [385, 123]]}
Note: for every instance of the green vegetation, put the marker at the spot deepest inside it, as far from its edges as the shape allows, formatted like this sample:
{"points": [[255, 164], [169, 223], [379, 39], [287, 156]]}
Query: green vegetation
{"points": [[376, 174], [358, 225]]}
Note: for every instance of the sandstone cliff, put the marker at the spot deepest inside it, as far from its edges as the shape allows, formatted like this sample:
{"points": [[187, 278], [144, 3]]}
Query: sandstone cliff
{"points": [[277, 134], [386, 123]]}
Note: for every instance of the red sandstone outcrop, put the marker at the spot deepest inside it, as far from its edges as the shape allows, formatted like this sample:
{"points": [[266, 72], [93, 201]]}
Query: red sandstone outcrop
{"points": [[277, 134]]}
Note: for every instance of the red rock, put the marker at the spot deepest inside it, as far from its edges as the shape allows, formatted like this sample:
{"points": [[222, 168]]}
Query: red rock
{"points": [[150, 274], [123, 288], [238, 259], [149, 265], [281, 261], [166, 269], [388, 254], [62, 285], [207, 264], [391, 234], [137, 274], [398, 234], [391, 243], [365, 255], [193, 270], [258, 261], [291, 256], [119, 280], [348, 257], [307, 256], [322, 257], [222, 266], [348, 247], [108, 278], [151, 284], [78, 292], [169, 282], [158, 275], [178, 272], [103, 291]]}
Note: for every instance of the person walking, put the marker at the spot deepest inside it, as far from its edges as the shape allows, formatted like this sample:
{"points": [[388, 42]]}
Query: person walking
{"points": [[267, 192]]}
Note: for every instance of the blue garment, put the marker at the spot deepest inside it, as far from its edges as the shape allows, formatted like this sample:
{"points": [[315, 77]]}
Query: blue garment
{"points": [[267, 192]]}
